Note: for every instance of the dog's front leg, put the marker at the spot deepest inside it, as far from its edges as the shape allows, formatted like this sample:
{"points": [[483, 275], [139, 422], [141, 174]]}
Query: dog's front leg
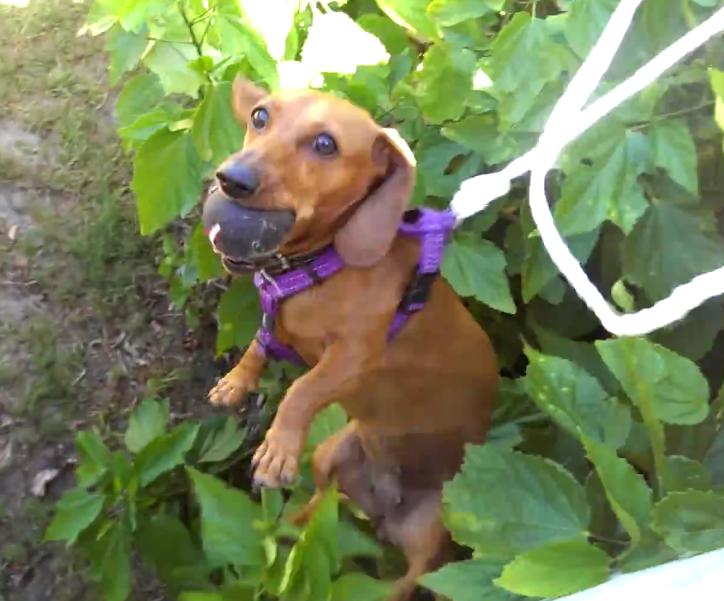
{"points": [[336, 375], [242, 379]]}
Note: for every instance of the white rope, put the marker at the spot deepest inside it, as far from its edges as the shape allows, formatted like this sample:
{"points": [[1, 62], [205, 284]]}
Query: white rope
{"points": [[566, 122]]}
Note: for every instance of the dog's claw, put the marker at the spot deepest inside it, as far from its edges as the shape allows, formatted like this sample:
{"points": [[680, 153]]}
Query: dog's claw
{"points": [[228, 391], [275, 461]]}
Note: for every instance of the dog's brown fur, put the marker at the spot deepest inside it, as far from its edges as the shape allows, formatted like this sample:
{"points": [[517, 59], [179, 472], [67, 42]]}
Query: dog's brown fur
{"points": [[415, 402]]}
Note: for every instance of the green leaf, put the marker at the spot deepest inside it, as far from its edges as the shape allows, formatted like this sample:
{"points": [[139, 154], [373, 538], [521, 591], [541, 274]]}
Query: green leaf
{"points": [[139, 95], [683, 474], [227, 522], [470, 580], [111, 559], [654, 376], [222, 441], [410, 14], [608, 188], [352, 542], [76, 510], [670, 246], [481, 134], [476, 267], [166, 179], [171, 63], [94, 458], [238, 315], [451, 12], [691, 521], [504, 502], [586, 20], [674, 151], [238, 38], [391, 35], [356, 586], [328, 421], [215, 131], [164, 452], [208, 263], [148, 421], [125, 48], [557, 569]]}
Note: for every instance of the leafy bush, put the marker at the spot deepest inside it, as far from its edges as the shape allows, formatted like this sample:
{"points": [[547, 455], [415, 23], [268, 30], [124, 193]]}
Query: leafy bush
{"points": [[605, 454]]}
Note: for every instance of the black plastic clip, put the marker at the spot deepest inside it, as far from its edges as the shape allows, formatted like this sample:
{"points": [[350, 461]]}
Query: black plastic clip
{"points": [[417, 292]]}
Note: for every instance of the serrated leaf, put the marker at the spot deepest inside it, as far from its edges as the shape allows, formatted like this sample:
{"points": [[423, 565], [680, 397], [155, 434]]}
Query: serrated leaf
{"points": [[125, 48], [75, 511], [481, 134], [166, 179], [504, 502], [670, 246], [444, 82], [215, 132], [476, 267], [654, 376], [356, 586], [165, 452], [147, 422], [683, 474], [391, 35], [586, 20], [111, 560], [691, 521], [451, 12], [94, 458], [674, 151], [557, 569], [172, 64], [238, 38], [607, 189], [227, 522], [695, 335], [238, 315], [470, 580], [222, 441], [410, 14], [139, 95]]}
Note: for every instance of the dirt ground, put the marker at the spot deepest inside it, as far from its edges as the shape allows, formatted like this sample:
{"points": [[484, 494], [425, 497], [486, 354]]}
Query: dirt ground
{"points": [[86, 327]]}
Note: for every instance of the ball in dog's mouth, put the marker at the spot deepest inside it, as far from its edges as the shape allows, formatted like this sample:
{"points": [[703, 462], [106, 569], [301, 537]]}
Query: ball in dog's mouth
{"points": [[244, 237]]}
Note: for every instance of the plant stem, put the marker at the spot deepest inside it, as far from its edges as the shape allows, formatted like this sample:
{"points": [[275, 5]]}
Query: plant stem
{"points": [[194, 39]]}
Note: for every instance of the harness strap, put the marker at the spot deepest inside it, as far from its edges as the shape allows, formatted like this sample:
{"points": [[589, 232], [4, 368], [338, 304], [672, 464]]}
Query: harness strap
{"points": [[431, 227]]}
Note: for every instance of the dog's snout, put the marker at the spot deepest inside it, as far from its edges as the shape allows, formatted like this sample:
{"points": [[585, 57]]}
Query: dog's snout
{"points": [[238, 179]]}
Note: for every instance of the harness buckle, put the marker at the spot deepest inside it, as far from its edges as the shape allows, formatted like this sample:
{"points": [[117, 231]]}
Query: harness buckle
{"points": [[417, 292], [270, 280]]}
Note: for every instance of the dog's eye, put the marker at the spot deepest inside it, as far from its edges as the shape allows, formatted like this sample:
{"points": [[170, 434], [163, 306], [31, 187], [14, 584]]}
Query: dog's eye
{"points": [[324, 145], [259, 118]]}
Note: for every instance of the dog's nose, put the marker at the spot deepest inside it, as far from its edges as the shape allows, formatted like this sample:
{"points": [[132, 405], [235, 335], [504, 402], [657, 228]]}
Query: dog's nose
{"points": [[238, 179]]}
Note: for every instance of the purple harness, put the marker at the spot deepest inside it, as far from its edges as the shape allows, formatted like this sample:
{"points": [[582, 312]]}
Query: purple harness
{"points": [[431, 227]]}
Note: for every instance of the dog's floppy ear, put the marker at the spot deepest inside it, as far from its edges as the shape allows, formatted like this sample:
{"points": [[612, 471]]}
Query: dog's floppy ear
{"points": [[369, 232], [244, 95]]}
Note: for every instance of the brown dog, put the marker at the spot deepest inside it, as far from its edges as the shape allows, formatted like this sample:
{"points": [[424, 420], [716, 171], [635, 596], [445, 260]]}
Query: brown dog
{"points": [[413, 402]]}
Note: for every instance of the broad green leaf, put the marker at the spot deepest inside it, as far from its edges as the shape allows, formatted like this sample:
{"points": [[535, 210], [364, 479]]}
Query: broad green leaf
{"points": [[228, 517], [125, 48], [683, 474], [716, 77], [164, 452], [139, 95], [391, 35], [695, 335], [691, 521], [674, 151], [607, 189], [76, 510], [470, 580], [356, 586], [208, 263], [444, 82], [481, 134], [670, 246], [654, 376], [215, 131], [221, 442], [94, 458], [111, 560], [237, 314], [442, 168], [504, 502], [202, 596], [476, 267], [557, 569], [586, 20], [410, 14], [172, 64], [148, 124], [148, 421], [452, 12], [166, 179], [325, 423], [352, 542], [238, 38]]}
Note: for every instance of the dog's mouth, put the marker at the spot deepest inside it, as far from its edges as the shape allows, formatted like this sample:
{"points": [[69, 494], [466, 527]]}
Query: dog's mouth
{"points": [[246, 238]]}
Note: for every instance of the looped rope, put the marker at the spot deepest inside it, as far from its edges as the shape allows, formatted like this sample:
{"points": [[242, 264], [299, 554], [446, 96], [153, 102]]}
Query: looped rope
{"points": [[568, 121]]}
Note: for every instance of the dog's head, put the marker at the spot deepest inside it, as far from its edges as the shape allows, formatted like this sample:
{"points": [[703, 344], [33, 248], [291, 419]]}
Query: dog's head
{"points": [[314, 169]]}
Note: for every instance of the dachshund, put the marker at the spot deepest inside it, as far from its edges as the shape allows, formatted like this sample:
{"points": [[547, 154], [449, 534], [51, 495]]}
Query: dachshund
{"points": [[323, 169]]}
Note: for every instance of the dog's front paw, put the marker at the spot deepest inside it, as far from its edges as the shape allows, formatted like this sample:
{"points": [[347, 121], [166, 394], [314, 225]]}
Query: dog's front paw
{"points": [[230, 390], [276, 461]]}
